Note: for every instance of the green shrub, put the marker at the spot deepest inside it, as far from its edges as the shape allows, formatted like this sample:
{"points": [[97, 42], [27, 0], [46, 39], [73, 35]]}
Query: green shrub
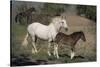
{"points": [[88, 11], [53, 8]]}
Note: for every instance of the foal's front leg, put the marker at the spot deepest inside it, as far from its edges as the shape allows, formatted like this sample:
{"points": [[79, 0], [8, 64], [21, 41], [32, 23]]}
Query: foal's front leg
{"points": [[49, 45]]}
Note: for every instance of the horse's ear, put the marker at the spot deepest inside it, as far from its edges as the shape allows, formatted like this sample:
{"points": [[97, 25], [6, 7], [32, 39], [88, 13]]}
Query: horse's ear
{"points": [[63, 17]]}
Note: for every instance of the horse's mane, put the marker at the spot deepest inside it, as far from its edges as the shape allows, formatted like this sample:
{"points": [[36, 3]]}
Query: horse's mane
{"points": [[54, 19]]}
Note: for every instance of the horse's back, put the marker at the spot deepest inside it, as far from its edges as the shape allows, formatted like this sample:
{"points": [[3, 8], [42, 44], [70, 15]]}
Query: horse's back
{"points": [[39, 30], [34, 25]]}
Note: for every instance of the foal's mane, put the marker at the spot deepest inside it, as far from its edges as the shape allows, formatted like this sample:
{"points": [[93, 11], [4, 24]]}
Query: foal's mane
{"points": [[79, 33]]}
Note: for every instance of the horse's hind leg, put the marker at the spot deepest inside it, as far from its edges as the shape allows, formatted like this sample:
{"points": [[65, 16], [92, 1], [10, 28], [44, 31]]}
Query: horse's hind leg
{"points": [[34, 49], [56, 51]]}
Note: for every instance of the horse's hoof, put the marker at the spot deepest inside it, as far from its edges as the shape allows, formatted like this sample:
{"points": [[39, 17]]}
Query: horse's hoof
{"points": [[36, 51], [49, 54], [57, 57], [33, 52]]}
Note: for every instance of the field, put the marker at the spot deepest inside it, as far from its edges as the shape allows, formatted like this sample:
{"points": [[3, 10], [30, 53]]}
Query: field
{"points": [[85, 51]]}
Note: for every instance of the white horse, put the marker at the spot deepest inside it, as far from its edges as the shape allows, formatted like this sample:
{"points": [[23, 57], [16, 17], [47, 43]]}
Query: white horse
{"points": [[49, 32]]}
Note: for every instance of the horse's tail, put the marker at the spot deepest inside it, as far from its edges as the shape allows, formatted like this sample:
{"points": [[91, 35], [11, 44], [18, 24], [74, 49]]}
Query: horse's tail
{"points": [[16, 18], [25, 42]]}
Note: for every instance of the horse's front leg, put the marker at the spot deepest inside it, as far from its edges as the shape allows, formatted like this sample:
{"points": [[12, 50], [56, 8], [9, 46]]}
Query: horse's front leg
{"points": [[56, 50], [55, 53], [49, 45], [34, 49]]}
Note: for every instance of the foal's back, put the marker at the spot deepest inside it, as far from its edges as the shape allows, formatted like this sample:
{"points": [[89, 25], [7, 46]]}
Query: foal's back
{"points": [[63, 38], [68, 39]]}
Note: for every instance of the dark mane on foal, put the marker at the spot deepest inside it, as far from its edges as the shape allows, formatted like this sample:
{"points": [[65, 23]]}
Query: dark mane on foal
{"points": [[79, 32]]}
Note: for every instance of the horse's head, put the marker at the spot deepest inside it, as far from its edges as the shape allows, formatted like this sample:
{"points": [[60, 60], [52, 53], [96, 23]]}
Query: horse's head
{"points": [[64, 24], [60, 22], [83, 36]]}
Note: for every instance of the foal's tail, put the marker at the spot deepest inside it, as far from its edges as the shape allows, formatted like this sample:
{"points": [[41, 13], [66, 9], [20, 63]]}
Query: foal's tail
{"points": [[25, 42]]}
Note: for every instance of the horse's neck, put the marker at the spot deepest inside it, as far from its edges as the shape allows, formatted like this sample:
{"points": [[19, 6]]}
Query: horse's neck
{"points": [[55, 27], [52, 30]]}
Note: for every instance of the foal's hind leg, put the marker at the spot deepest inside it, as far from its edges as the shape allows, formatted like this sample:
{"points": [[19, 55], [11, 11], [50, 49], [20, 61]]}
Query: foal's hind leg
{"points": [[56, 50], [72, 52], [34, 49]]}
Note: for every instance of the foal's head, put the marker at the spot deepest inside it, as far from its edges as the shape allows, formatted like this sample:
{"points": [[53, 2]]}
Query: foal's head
{"points": [[82, 36]]}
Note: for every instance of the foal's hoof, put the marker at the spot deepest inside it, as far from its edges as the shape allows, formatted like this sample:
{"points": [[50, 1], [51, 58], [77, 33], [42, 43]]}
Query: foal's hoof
{"points": [[72, 57]]}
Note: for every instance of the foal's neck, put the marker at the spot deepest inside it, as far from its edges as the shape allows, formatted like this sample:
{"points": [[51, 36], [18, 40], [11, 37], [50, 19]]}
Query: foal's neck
{"points": [[76, 37]]}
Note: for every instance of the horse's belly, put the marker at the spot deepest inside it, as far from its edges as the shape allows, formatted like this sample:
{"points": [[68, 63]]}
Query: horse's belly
{"points": [[42, 33], [42, 36]]}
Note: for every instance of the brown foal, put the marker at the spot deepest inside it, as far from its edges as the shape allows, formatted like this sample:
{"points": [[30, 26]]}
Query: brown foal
{"points": [[71, 40]]}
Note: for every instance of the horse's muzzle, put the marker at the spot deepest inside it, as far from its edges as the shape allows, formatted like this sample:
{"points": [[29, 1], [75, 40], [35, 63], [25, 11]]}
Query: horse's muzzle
{"points": [[66, 29]]}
